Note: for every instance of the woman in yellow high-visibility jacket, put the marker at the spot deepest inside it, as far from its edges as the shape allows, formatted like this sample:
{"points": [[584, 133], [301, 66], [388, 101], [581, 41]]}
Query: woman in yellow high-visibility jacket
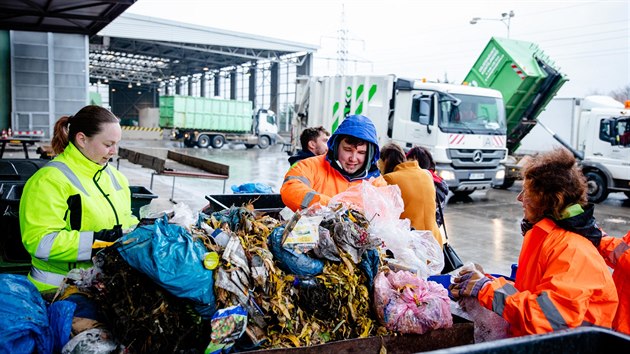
{"points": [[76, 199], [562, 281]]}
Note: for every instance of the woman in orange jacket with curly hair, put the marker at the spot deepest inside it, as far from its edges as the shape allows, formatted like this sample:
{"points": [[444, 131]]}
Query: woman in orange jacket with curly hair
{"points": [[562, 281]]}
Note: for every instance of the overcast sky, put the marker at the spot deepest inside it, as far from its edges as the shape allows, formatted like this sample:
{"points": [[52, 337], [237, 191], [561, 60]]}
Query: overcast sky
{"points": [[588, 40]]}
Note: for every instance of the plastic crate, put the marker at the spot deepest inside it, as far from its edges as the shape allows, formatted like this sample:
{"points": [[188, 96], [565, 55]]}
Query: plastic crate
{"points": [[446, 279], [140, 196], [268, 203]]}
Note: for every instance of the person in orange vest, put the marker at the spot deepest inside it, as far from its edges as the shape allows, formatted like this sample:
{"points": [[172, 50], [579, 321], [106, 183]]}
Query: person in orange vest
{"points": [[562, 281], [351, 158], [616, 253]]}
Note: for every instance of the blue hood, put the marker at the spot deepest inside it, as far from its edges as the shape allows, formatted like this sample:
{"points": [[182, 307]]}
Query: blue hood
{"points": [[360, 127]]}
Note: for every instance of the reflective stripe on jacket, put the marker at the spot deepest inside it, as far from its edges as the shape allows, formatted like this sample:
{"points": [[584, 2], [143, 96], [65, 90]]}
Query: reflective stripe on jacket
{"points": [[616, 253], [60, 209], [561, 282], [313, 180]]}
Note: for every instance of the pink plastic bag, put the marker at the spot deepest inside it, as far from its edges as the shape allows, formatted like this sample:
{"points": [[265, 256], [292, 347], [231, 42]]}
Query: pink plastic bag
{"points": [[406, 303]]}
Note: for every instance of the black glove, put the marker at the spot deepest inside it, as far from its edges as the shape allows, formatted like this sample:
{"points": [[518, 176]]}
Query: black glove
{"points": [[109, 235]]}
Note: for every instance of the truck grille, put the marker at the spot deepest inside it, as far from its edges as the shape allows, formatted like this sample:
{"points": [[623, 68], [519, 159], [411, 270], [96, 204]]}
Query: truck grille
{"points": [[475, 158]]}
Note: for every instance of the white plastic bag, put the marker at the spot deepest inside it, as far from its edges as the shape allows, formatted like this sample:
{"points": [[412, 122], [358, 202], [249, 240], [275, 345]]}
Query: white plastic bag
{"points": [[415, 251], [184, 216]]}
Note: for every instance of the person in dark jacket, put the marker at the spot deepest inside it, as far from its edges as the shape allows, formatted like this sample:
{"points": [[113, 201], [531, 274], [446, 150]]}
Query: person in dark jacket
{"points": [[314, 143]]}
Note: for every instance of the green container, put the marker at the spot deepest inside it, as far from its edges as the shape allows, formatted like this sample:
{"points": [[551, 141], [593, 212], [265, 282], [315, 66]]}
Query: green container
{"points": [[524, 75], [201, 113]]}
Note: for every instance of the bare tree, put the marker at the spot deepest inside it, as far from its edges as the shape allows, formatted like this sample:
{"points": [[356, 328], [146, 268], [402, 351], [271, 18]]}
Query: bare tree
{"points": [[621, 94]]}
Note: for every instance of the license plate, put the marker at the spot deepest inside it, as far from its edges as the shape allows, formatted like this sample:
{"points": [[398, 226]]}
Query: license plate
{"points": [[476, 176]]}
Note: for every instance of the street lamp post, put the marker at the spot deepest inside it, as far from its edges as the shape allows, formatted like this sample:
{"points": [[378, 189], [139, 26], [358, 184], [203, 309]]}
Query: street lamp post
{"points": [[505, 18]]}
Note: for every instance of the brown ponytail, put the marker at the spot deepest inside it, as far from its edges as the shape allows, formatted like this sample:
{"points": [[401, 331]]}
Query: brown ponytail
{"points": [[88, 120], [59, 140]]}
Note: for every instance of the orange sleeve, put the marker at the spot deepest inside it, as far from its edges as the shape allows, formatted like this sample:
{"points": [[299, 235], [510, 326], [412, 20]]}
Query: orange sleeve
{"points": [[559, 301], [296, 191], [607, 248]]}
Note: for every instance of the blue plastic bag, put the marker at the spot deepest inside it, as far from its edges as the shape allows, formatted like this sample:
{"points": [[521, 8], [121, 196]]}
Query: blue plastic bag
{"points": [[260, 188], [291, 261], [168, 255], [60, 314], [24, 324]]}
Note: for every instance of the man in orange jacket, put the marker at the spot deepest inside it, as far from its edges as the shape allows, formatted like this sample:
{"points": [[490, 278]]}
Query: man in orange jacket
{"points": [[562, 281], [351, 158], [616, 253]]}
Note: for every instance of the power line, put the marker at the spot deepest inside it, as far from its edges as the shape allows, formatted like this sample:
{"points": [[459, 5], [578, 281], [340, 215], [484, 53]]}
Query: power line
{"points": [[578, 27]]}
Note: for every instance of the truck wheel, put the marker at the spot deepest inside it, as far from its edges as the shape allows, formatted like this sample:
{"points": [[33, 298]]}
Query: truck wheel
{"points": [[250, 146], [263, 142], [597, 191], [218, 141], [203, 141]]}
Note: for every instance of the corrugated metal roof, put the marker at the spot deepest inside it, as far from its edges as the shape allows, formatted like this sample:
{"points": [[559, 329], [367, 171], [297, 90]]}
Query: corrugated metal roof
{"points": [[136, 48], [156, 29], [62, 16]]}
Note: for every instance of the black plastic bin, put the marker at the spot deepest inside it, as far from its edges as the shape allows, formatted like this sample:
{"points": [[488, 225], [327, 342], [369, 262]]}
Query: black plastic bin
{"points": [[19, 169], [268, 203], [11, 247], [140, 196], [574, 341]]}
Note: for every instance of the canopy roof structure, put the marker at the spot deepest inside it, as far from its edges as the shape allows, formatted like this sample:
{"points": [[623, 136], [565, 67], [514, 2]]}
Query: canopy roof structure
{"points": [[141, 49], [62, 16]]}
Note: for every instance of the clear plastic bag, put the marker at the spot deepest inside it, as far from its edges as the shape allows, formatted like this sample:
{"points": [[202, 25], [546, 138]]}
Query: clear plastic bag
{"points": [[488, 325], [377, 203]]}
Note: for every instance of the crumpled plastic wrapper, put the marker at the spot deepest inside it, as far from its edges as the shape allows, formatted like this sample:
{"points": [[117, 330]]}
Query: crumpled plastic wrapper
{"points": [[326, 247], [92, 341]]}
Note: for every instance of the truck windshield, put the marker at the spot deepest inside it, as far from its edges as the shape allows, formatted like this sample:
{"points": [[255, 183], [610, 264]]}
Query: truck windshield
{"points": [[473, 115]]}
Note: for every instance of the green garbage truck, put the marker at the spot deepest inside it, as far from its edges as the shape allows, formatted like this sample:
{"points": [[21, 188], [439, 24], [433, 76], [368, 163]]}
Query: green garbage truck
{"points": [[205, 122], [595, 128]]}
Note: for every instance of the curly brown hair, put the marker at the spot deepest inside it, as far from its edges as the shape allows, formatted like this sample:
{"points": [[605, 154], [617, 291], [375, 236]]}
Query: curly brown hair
{"points": [[552, 181]]}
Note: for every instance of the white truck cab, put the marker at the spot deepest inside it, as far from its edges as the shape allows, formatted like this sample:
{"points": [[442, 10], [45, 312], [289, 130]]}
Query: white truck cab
{"points": [[467, 146], [604, 139]]}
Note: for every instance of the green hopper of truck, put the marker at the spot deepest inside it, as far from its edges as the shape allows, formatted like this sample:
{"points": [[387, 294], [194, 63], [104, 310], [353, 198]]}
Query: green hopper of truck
{"points": [[526, 78]]}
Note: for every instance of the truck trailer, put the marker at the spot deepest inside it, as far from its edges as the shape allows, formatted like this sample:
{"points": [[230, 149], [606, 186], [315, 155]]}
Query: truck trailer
{"points": [[467, 146], [205, 122], [598, 129]]}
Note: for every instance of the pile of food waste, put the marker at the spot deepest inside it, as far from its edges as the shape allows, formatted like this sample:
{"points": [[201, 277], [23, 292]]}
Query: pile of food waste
{"points": [[240, 279]]}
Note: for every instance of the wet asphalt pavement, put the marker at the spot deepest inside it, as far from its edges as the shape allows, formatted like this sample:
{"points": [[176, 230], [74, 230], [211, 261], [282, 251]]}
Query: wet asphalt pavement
{"points": [[483, 228]]}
